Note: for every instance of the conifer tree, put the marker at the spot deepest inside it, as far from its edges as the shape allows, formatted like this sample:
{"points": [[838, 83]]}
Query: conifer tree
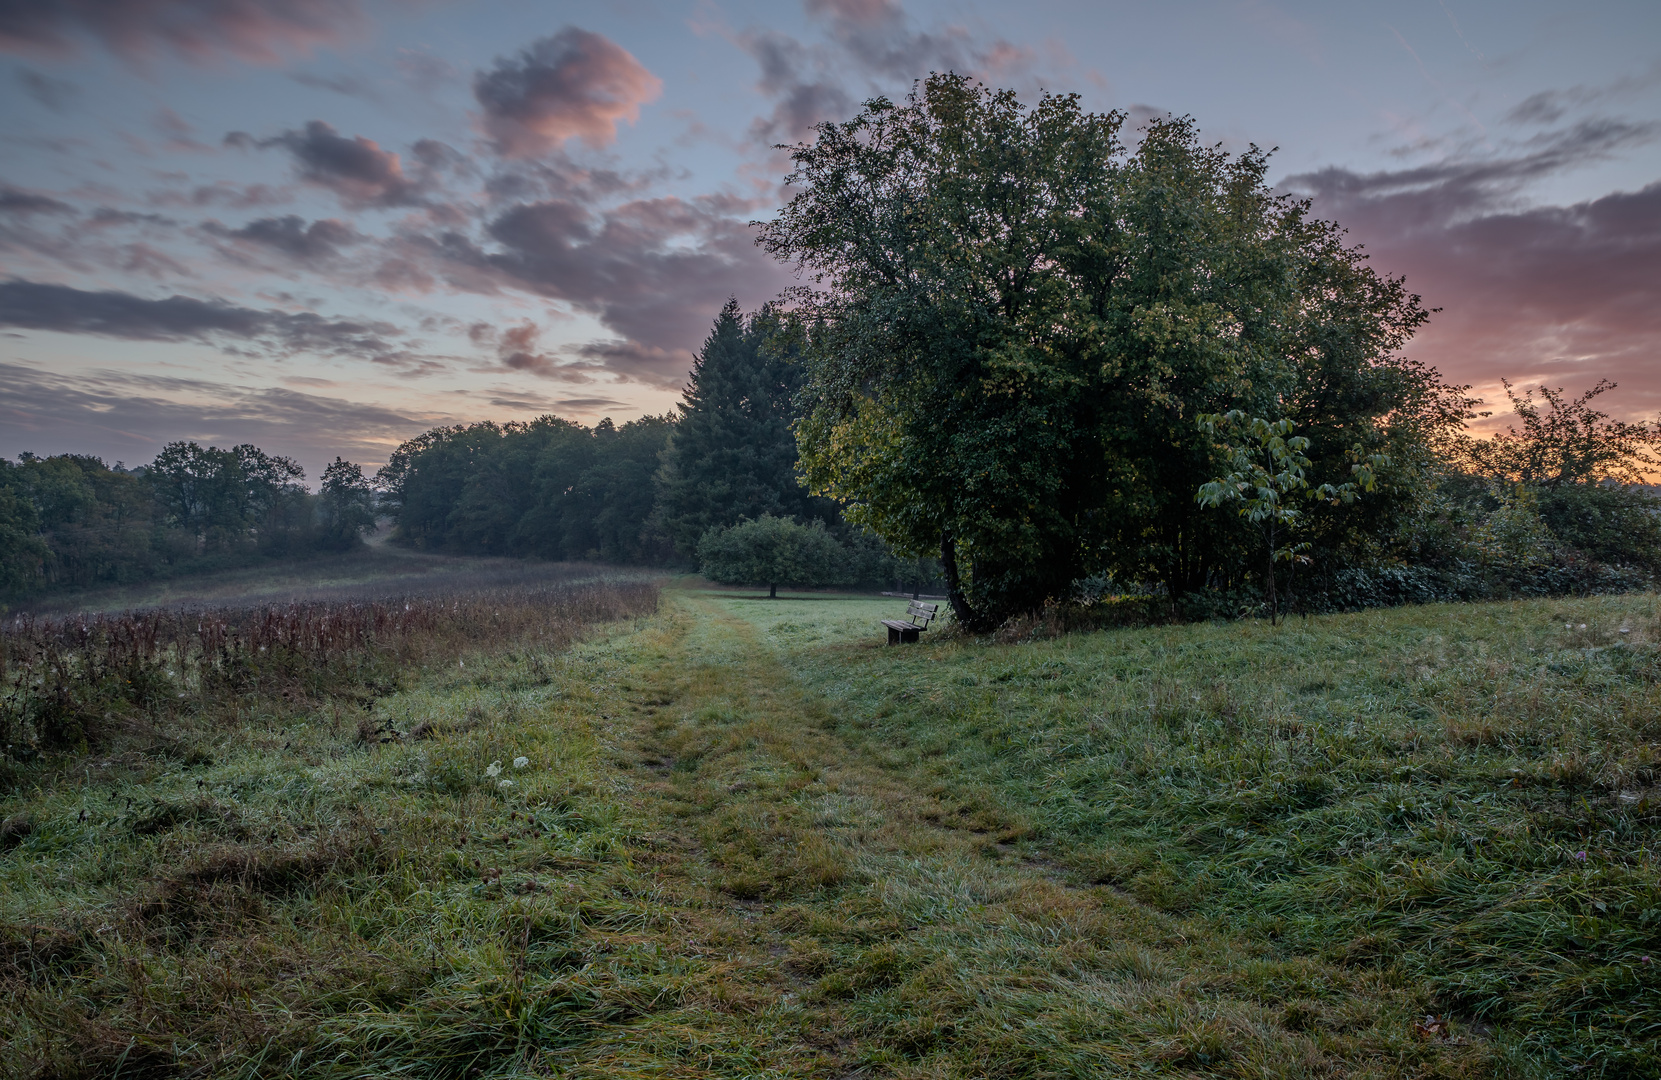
{"points": [[732, 455]]}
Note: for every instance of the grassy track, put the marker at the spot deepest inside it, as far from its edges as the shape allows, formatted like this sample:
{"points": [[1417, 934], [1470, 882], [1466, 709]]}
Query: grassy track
{"points": [[751, 841]]}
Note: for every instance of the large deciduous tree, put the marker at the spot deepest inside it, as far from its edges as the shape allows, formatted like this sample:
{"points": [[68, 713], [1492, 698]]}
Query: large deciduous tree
{"points": [[1015, 319]]}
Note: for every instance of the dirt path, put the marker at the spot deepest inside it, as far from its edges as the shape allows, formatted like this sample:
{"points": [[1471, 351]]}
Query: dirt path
{"points": [[853, 924]]}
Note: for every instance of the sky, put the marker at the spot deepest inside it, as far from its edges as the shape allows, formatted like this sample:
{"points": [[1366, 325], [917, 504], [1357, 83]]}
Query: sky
{"points": [[325, 226]]}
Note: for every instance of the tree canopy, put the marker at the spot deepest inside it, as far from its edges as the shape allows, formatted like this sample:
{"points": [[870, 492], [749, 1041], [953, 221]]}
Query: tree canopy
{"points": [[1015, 319], [72, 521], [773, 551], [551, 488]]}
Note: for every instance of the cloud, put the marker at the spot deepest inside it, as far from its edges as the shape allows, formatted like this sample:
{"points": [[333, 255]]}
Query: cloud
{"points": [[32, 305], [873, 42], [345, 85], [1460, 187], [222, 193], [575, 84], [1560, 294], [1550, 106], [20, 202], [355, 169], [130, 415], [423, 71], [200, 31], [800, 101], [517, 348], [591, 403], [54, 94], [877, 36], [291, 236], [652, 270]]}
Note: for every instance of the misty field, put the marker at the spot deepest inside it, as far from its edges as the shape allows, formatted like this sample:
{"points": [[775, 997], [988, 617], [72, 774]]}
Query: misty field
{"points": [[591, 829]]}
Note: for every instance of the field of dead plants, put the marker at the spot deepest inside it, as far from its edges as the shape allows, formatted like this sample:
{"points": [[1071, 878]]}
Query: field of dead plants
{"points": [[591, 830]]}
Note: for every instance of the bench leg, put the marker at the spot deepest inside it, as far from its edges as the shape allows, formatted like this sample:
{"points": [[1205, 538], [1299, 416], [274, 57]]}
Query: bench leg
{"points": [[909, 637], [893, 636]]}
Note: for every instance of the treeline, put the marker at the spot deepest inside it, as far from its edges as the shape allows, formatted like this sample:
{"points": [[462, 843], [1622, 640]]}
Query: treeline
{"points": [[1551, 508], [1556, 506], [647, 492], [652, 490], [72, 521]]}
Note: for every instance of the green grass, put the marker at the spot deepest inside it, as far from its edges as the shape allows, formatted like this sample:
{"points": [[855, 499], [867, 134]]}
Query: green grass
{"points": [[753, 841]]}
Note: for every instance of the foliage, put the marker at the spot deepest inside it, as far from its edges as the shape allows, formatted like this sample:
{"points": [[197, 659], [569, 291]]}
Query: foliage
{"points": [[1612, 524], [1570, 443], [1266, 480], [23, 554], [773, 551], [226, 499], [550, 488], [346, 505], [71, 521], [1018, 316], [731, 454], [80, 522]]}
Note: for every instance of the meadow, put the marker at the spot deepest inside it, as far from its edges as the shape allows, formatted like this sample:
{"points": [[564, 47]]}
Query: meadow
{"points": [[696, 834]]}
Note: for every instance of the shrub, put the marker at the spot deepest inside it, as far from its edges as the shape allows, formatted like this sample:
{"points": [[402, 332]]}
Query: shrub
{"points": [[1607, 523], [773, 551]]}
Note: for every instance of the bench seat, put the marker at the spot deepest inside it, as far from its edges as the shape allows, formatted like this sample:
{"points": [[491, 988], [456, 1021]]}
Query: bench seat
{"points": [[906, 631]]}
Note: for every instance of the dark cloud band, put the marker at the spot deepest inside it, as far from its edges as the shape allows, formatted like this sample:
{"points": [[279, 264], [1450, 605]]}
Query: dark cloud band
{"points": [[256, 31], [31, 305]]}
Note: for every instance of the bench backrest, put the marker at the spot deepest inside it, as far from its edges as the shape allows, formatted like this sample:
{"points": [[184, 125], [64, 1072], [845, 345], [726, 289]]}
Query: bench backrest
{"points": [[921, 613]]}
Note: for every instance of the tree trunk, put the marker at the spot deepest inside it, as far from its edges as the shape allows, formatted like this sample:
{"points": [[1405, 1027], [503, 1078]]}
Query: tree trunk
{"points": [[773, 591], [1273, 600], [954, 590]]}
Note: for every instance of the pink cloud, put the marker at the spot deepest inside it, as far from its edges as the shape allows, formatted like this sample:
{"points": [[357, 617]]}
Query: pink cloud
{"points": [[1563, 295], [573, 85]]}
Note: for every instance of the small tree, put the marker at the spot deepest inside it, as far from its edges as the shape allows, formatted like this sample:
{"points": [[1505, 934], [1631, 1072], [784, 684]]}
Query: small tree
{"points": [[346, 504], [1569, 443], [1266, 467], [1585, 474], [773, 551]]}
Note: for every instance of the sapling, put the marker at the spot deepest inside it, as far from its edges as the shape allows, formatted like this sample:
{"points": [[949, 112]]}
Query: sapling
{"points": [[1266, 465]]}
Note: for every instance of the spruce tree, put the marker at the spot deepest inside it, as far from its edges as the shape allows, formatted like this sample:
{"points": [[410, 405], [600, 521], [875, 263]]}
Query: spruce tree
{"points": [[732, 455]]}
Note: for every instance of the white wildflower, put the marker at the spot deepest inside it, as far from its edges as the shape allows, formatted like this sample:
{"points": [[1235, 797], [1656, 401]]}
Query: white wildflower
{"points": [[503, 785], [495, 769], [521, 762]]}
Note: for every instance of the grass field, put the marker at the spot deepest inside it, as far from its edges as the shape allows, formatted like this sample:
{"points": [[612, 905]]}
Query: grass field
{"points": [[378, 568], [750, 840]]}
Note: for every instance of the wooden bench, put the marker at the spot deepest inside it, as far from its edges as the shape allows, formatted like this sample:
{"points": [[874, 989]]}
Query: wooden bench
{"points": [[918, 615]]}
